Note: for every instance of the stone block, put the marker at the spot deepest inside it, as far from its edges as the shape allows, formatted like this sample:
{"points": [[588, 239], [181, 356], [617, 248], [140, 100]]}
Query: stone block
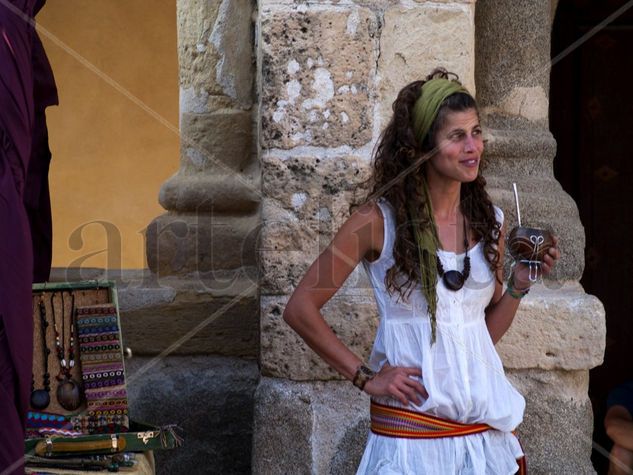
{"points": [[217, 193], [559, 328], [197, 314], [220, 142], [419, 37], [513, 49], [307, 200], [215, 52], [512, 138], [556, 432], [196, 59], [190, 317], [314, 175], [317, 68], [211, 398], [529, 102], [203, 242], [325, 426], [283, 353], [232, 38]]}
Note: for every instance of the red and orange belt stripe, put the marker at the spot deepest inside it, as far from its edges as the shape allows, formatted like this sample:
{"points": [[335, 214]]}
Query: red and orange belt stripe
{"points": [[397, 422]]}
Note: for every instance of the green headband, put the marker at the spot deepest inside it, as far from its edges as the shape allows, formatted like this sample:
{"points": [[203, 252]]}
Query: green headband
{"points": [[433, 93]]}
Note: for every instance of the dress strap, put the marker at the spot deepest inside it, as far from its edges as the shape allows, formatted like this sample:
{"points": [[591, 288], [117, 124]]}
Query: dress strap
{"points": [[388, 230]]}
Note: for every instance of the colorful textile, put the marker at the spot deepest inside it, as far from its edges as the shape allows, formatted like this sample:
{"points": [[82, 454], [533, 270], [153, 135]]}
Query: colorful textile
{"points": [[397, 422], [391, 421], [102, 370], [45, 424]]}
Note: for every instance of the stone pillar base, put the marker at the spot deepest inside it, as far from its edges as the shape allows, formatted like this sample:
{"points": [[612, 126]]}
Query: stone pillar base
{"points": [[209, 397], [308, 427], [557, 428]]}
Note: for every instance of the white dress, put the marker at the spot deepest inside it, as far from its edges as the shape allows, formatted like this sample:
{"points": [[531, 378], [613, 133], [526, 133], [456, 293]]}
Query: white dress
{"points": [[461, 372]]}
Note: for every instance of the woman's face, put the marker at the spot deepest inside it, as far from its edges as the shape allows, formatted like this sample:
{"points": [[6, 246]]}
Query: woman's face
{"points": [[460, 145]]}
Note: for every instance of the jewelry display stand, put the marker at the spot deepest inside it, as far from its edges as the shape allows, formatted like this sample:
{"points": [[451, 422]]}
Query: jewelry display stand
{"points": [[51, 298], [79, 397]]}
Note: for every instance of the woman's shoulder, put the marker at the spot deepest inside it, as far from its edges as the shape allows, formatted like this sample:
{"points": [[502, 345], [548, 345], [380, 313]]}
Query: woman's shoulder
{"points": [[366, 221], [374, 215], [374, 211]]}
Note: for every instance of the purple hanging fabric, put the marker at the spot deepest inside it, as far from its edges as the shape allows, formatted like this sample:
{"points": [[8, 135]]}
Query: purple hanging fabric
{"points": [[16, 260]]}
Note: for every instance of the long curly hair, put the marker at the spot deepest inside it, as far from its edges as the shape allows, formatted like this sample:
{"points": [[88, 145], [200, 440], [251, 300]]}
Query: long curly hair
{"points": [[398, 165]]}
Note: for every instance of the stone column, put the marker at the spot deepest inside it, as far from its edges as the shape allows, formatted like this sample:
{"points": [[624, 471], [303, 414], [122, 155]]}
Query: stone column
{"points": [[328, 74], [194, 318], [559, 331], [204, 246]]}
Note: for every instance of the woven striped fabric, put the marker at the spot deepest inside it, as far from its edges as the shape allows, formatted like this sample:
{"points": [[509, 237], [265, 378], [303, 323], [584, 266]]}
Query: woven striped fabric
{"points": [[397, 422], [403, 423], [103, 371]]}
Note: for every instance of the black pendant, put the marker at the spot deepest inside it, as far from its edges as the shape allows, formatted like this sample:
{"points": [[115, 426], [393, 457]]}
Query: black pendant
{"points": [[69, 394], [453, 280], [40, 399]]}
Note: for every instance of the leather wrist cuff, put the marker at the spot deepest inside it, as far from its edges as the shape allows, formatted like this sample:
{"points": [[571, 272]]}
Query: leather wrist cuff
{"points": [[363, 374]]}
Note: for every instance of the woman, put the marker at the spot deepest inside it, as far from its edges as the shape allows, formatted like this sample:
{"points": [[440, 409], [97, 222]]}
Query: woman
{"points": [[432, 244]]}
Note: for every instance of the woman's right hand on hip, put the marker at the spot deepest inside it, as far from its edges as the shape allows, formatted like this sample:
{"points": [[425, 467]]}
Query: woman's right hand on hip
{"points": [[397, 382]]}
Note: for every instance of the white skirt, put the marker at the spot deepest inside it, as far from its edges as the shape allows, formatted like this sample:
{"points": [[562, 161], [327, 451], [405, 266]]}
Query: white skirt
{"points": [[487, 453]]}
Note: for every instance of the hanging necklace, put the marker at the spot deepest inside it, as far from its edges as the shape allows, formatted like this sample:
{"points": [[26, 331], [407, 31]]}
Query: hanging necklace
{"points": [[41, 398], [68, 391], [453, 279]]}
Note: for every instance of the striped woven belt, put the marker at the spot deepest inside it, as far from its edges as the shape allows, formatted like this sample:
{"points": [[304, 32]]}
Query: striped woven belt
{"points": [[397, 422]]}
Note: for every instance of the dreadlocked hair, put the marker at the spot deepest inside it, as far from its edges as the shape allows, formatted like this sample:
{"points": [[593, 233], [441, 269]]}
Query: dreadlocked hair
{"points": [[397, 172]]}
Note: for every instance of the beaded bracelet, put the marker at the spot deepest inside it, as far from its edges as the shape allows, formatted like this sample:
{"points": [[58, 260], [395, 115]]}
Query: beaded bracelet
{"points": [[516, 293]]}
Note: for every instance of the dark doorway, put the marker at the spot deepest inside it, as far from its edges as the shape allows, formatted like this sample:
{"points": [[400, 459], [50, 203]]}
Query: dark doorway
{"points": [[591, 112]]}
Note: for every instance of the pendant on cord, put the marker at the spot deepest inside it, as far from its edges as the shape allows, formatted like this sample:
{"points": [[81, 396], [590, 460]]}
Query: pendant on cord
{"points": [[69, 394], [453, 279]]}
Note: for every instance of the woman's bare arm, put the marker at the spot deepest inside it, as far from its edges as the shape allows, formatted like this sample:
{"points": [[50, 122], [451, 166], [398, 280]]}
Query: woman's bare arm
{"points": [[503, 307], [361, 235]]}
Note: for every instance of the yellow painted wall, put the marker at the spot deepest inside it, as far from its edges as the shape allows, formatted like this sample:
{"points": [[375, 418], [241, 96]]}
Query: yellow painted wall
{"points": [[110, 156]]}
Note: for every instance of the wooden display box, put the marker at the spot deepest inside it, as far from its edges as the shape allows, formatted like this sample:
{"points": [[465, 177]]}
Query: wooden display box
{"points": [[82, 426]]}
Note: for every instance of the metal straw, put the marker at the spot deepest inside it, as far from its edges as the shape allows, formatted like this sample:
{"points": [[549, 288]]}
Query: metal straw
{"points": [[516, 200]]}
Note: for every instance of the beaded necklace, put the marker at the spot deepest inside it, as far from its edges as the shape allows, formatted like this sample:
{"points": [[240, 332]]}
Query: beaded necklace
{"points": [[41, 398], [68, 391]]}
